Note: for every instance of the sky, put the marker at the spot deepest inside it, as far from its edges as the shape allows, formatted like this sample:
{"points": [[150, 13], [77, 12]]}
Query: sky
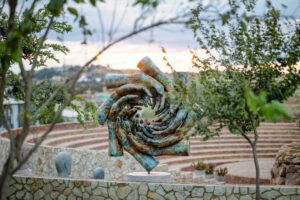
{"points": [[176, 39]]}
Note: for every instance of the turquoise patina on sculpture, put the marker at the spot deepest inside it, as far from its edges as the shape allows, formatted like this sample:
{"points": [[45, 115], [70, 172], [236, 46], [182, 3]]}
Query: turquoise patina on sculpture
{"points": [[143, 140]]}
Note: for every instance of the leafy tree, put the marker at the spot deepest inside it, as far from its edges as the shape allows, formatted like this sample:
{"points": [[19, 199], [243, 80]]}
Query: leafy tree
{"points": [[43, 91], [23, 37], [249, 67]]}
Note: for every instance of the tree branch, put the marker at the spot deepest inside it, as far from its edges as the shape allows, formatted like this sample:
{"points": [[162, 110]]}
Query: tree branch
{"points": [[43, 39], [43, 137], [105, 48], [248, 139]]}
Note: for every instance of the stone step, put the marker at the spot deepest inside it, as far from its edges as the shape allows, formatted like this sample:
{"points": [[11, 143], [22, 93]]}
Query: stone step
{"points": [[60, 140], [278, 129], [231, 151], [103, 147], [178, 166], [242, 141], [264, 133], [67, 138], [261, 137], [183, 159], [66, 132], [278, 124], [96, 139], [84, 142], [230, 145], [97, 147]]}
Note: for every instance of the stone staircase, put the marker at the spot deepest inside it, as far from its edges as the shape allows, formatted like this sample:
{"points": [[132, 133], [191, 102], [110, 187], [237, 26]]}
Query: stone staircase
{"points": [[219, 150]]}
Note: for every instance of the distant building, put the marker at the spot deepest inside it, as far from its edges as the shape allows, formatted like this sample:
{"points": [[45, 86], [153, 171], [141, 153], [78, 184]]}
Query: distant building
{"points": [[13, 110], [69, 115]]}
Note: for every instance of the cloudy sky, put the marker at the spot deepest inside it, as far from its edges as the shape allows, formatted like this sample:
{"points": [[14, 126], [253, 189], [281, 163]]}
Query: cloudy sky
{"points": [[177, 39]]}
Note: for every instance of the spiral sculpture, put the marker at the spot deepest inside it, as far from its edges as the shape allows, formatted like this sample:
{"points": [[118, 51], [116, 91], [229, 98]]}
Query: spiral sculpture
{"points": [[143, 140]]}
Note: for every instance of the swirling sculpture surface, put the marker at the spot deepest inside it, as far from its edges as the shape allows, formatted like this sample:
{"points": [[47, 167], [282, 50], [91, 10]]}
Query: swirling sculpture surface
{"points": [[143, 140]]}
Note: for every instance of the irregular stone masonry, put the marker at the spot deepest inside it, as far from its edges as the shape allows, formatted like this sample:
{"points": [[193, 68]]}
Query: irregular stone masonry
{"points": [[84, 162], [286, 169], [46, 188]]}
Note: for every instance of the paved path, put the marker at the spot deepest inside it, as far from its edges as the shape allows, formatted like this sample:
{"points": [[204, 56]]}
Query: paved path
{"points": [[247, 169]]}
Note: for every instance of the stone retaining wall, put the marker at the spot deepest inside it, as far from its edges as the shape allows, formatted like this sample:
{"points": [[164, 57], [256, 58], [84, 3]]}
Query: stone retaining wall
{"points": [[286, 169], [41, 163], [58, 126], [46, 188]]}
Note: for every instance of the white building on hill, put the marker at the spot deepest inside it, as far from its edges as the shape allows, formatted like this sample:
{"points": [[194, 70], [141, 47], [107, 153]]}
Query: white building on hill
{"points": [[13, 109]]}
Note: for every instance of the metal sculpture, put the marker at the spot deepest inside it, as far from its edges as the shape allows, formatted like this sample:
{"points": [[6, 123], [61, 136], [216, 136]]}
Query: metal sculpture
{"points": [[144, 140]]}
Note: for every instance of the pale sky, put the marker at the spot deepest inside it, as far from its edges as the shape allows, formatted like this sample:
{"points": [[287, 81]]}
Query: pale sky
{"points": [[176, 39]]}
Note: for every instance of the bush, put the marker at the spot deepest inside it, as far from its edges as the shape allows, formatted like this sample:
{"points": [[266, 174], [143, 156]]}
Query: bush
{"points": [[222, 171], [209, 169], [199, 165]]}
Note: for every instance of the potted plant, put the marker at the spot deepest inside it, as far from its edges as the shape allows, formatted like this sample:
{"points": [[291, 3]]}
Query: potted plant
{"points": [[209, 171], [220, 174], [199, 168]]}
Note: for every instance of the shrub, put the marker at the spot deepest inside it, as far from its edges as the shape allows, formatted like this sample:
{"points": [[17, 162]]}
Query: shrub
{"points": [[222, 171], [209, 169], [199, 165]]}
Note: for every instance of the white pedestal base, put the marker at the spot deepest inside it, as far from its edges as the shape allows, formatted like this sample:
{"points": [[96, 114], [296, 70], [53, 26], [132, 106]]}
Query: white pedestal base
{"points": [[153, 177]]}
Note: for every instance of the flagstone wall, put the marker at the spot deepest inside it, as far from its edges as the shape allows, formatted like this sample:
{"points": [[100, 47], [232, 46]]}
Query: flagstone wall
{"points": [[46, 188]]}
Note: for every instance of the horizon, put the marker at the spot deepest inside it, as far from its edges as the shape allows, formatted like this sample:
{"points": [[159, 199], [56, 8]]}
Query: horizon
{"points": [[176, 39]]}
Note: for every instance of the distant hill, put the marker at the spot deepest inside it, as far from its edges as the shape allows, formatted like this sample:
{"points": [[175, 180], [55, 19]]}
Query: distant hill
{"points": [[92, 72]]}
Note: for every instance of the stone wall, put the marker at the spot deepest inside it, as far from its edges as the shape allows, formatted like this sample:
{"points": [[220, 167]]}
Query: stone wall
{"points": [[45, 188], [41, 163], [286, 169], [42, 128], [4, 148]]}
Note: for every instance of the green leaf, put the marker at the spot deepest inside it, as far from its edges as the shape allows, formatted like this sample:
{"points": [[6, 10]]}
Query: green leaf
{"points": [[56, 6], [225, 17], [93, 2], [252, 101], [73, 11]]}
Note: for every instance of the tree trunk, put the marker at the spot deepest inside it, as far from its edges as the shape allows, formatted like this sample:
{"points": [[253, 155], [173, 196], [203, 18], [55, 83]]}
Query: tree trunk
{"points": [[257, 171], [5, 178]]}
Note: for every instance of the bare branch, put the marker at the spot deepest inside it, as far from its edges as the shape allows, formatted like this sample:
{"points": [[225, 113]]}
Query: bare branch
{"points": [[102, 30], [43, 39], [110, 32], [123, 16], [75, 76], [248, 139], [42, 107], [43, 137]]}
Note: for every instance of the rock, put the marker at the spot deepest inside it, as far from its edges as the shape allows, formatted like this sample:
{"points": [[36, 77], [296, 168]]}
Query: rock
{"points": [[292, 179], [286, 169], [272, 194], [39, 194], [63, 164], [219, 191], [123, 192], [143, 189], [99, 173], [20, 194], [282, 171], [197, 192], [155, 196]]}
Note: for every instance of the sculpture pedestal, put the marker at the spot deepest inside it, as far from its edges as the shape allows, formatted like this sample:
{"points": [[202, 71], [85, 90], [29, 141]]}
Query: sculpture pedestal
{"points": [[153, 177]]}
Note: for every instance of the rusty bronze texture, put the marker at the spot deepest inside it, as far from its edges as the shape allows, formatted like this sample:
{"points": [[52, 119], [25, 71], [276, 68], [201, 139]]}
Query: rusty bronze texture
{"points": [[163, 135]]}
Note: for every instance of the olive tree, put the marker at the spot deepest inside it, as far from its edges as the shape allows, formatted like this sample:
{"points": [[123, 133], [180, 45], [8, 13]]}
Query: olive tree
{"points": [[247, 66], [24, 30]]}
